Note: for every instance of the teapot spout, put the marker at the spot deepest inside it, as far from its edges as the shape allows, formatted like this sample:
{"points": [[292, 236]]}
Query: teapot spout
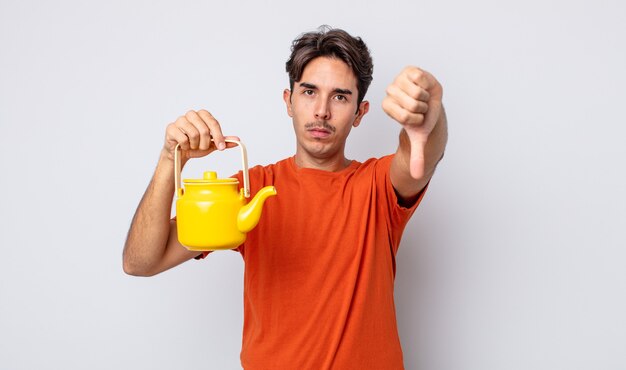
{"points": [[250, 214]]}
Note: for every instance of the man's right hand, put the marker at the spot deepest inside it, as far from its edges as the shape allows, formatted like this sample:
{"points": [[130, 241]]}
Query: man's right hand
{"points": [[198, 134], [152, 243]]}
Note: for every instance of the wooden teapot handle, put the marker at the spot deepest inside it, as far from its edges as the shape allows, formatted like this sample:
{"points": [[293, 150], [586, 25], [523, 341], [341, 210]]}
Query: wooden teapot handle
{"points": [[244, 161]]}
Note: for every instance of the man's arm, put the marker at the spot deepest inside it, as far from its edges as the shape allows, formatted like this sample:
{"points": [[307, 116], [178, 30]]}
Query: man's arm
{"points": [[152, 243], [414, 101]]}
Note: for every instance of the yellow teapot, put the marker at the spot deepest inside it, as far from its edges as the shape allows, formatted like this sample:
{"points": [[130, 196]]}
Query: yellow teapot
{"points": [[210, 213]]}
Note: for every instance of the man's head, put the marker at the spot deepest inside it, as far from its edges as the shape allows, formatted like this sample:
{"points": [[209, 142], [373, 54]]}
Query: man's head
{"points": [[333, 43]]}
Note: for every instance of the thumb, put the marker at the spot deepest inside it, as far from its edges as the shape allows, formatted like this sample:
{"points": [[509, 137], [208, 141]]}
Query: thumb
{"points": [[416, 162], [418, 136]]}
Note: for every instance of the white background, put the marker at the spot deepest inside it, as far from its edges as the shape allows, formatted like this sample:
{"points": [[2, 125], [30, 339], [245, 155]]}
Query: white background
{"points": [[515, 260]]}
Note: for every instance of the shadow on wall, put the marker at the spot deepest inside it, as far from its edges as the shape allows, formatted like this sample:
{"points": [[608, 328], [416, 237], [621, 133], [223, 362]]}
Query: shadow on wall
{"points": [[420, 288]]}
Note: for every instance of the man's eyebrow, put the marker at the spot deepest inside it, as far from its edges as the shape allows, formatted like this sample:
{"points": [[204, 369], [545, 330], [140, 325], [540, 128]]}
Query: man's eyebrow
{"points": [[308, 85], [343, 91]]}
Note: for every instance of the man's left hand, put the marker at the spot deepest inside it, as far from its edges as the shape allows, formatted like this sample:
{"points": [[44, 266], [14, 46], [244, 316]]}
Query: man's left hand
{"points": [[414, 100]]}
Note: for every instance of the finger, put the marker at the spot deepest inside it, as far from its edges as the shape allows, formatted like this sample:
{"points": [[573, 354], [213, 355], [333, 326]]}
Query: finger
{"points": [[232, 145], [417, 162], [214, 126], [190, 132], [173, 136], [187, 128], [403, 116], [405, 101], [419, 77], [426, 81], [204, 133], [411, 86]]}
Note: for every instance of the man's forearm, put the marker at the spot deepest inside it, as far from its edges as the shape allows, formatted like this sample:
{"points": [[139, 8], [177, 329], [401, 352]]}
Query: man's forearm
{"points": [[150, 228]]}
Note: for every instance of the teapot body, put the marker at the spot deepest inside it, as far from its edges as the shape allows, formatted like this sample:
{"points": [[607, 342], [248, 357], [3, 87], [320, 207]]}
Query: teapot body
{"points": [[211, 214], [206, 216]]}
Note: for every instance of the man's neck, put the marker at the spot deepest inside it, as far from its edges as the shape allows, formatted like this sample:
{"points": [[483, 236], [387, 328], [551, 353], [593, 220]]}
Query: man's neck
{"points": [[333, 164]]}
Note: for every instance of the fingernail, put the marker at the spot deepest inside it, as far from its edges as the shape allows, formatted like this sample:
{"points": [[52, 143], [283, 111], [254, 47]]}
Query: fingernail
{"points": [[221, 146]]}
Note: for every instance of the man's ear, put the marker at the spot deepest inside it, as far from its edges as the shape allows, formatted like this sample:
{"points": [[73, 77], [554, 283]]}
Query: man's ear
{"points": [[287, 99], [364, 107]]}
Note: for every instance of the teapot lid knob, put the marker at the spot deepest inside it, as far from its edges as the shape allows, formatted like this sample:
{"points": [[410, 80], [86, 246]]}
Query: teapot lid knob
{"points": [[210, 175]]}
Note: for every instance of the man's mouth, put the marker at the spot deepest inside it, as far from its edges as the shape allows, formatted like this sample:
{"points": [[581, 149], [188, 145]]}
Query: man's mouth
{"points": [[319, 130], [319, 133]]}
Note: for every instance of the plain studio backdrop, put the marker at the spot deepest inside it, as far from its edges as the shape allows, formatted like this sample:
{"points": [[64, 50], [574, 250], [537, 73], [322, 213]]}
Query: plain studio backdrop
{"points": [[515, 259]]}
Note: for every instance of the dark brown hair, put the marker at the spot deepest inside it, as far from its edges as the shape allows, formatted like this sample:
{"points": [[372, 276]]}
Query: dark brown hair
{"points": [[335, 43]]}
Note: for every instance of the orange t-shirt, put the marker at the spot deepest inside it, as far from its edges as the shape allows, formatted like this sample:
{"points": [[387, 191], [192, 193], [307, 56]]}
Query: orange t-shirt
{"points": [[320, 269]]}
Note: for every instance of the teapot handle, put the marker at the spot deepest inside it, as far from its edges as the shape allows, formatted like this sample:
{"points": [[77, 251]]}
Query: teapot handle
{"points": [[244, 161]]}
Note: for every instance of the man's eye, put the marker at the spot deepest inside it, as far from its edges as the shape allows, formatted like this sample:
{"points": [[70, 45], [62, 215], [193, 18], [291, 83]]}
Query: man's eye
{"points": [[340, 97], [308, 92]]}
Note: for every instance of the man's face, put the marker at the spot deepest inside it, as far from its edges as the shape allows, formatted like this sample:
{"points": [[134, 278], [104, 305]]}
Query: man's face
{"points": [[323, 105]]}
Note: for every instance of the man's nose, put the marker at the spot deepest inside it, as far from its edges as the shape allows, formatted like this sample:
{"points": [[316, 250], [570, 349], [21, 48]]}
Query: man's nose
{"points": [[322, 110]]}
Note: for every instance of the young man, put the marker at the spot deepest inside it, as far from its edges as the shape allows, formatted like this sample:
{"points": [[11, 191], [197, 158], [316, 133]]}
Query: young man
{"points": [[320, 265]]}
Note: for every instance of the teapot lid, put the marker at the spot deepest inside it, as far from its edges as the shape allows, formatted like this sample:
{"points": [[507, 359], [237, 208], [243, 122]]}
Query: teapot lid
{"points": [[210, 177]]}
